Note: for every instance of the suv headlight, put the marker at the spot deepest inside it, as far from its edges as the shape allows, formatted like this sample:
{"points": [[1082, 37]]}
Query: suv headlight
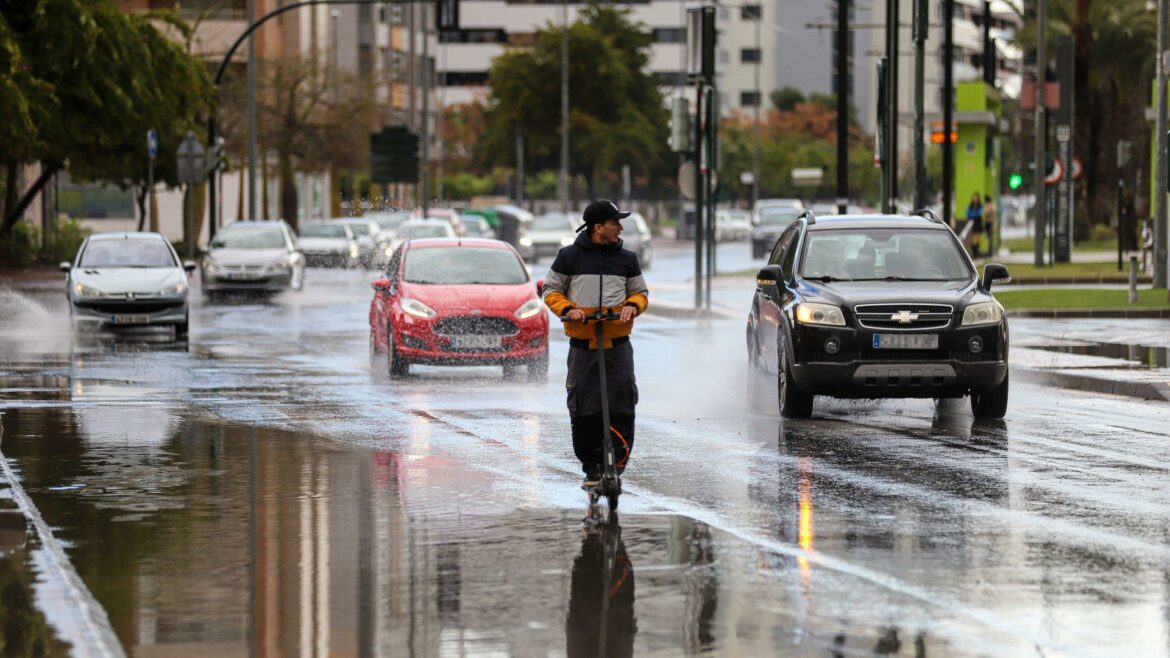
{"points": [[173, 291], [210, 265], [417, 308], [982, 313], [83, 290], [529, 309], [824, 314]]}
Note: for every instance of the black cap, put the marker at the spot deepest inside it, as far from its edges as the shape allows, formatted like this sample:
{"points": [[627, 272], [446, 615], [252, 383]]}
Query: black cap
{"points": [[600, 211]]}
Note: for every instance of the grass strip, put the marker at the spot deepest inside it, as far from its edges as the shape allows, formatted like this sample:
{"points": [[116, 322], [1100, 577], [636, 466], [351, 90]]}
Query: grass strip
{"points": [[1049, 298]]}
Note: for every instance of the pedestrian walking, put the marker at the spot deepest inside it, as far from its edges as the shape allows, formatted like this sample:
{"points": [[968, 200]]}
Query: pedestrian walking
{"points": [[975, 220], [595, 274]]}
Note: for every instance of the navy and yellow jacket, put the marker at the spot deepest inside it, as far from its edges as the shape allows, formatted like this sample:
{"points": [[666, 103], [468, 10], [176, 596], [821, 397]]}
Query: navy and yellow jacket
{"points": [[591, 276]]}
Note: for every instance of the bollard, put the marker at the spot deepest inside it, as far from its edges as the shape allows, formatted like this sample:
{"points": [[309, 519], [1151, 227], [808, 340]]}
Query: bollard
{"points": [[1133, 296]]}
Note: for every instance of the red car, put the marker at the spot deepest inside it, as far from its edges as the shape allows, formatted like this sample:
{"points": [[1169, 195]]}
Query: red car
{"points": [[452, 301]]}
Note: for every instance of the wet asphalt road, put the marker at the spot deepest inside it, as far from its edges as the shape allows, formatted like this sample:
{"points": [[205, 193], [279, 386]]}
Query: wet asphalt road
{"points": [[441, 515]]}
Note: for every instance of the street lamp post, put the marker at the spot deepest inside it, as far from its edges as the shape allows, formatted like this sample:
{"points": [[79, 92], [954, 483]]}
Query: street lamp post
{"points": [[251, 111], [564, 177]]}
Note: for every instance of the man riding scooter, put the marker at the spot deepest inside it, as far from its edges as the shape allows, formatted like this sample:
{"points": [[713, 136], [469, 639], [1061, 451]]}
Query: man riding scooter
{"points": [[592, 276]]}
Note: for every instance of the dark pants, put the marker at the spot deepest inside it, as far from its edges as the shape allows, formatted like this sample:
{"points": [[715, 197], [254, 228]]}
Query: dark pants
{"points": [[583, 386]]}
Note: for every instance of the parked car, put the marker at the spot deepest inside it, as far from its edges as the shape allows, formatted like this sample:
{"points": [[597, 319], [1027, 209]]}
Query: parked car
{"points": [[388, 223], [459, 301], [477, 227], [760, 204], [330, 244], [128, 279], [877, 306], [550, 232], [253, 256], [422, 228], [770, 223], [365, 231], [732, 225], [636, 237], [512, 227]]}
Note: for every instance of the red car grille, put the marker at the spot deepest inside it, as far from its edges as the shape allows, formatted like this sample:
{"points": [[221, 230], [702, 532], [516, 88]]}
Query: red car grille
{"points": [[476, 325]]}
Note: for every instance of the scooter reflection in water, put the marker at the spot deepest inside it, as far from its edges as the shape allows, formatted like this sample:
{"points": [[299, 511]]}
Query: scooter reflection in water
{"points": [[601, 596]]}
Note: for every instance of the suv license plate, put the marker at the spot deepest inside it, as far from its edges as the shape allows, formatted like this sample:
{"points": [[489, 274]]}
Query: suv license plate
{"points": [[131, 319], [477, 342], [905, 341]]}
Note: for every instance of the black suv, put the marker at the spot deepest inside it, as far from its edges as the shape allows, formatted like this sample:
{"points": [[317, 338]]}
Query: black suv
{"points": [[877, 306]]}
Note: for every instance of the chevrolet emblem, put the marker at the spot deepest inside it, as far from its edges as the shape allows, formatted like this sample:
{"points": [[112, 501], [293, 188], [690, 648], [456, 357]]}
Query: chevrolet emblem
{"points": [[904, 317]]}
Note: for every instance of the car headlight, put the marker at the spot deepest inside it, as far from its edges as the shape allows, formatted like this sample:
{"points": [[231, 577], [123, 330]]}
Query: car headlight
{"points": [[83, 290], [566, 241], [417, 308], [529, 309], [210, 265], [281, 264], [525, 242], [353, 250], [982, 313], [389, 250], [173, 291], [826, 314]]}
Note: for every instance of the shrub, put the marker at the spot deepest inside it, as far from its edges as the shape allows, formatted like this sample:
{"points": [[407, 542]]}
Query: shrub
{"points": [[19, 248], [1102, 233], [66, 236], [22, 247]]}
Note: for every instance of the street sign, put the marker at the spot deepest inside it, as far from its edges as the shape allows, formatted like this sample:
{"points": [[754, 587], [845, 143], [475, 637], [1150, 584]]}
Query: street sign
{"points": [[808, 176], [747, 178], [190, 160], [1056, 174], [152, 143], [686, 180]]}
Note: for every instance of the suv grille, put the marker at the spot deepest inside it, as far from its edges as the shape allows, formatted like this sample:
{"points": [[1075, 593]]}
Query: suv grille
{"points": [[904, 317], [476, 325]]}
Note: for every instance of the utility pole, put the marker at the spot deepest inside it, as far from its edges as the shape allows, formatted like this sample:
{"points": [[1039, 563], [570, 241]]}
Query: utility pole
{"points": [[948, 108], [564, 177], [1041, 128], [842, 106], [427, 71], [251, 115], [893, 25], [921, 16], [759, 101], [1160, 264]]}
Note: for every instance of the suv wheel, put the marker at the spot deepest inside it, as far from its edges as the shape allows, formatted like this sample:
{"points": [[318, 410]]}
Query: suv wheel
{"points": [[991, 405], [794, 402]]}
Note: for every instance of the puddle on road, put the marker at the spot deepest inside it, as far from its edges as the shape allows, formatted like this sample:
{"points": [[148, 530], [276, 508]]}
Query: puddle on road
{"points": [[363, 552], [1139, 356]]}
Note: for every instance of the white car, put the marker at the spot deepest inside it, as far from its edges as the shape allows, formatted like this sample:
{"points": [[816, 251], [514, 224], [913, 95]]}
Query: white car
{"points": [[422, 228], [330, 244], [550, 232], [451, 215], [128, 279], [637, 238], [253, 256], [732, 225], [365, 231]]}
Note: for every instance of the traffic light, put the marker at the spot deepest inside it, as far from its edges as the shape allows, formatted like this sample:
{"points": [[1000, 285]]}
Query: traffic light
{"points": [[680, 126], [1015, 181], [394, 156]]}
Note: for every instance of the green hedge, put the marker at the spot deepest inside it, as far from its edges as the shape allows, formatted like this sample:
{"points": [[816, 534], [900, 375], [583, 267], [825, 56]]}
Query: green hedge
{"points": [[22, 247]]}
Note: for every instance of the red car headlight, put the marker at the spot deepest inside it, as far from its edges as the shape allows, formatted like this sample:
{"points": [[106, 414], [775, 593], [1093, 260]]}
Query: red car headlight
{"points": [[529, 309]]}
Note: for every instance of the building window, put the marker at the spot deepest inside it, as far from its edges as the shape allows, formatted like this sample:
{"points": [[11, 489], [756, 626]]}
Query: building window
{"points": [[750, 13], [749, 55], [463, 78], [749, 98], [481, 35], [669, 35]]}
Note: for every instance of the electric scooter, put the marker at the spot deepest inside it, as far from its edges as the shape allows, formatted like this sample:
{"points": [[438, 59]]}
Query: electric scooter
{"points": [[611, 482]]}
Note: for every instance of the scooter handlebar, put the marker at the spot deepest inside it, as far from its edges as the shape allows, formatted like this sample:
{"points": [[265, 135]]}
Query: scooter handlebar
{"points": [[592, 317]]}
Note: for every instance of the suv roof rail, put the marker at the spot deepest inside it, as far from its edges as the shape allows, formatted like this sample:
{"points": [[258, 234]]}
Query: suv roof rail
{"points": [[928, 214], [808, 214]]}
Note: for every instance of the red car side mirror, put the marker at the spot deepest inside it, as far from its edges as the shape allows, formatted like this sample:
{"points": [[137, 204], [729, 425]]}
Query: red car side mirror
{"points": [[381, 285], [540, 287]]}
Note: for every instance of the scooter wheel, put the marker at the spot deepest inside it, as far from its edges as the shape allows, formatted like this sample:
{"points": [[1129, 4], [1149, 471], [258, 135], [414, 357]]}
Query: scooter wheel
{"points": [[612, 499]]}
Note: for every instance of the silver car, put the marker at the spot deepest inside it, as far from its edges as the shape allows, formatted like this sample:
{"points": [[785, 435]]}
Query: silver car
{"points": [[330, 244], [366, 232], [128, 279], [423, 228], [636, 238], [253, 256], [550, 232]]}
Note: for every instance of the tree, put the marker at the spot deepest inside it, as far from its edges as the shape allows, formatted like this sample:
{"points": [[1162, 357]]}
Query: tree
{"points": [[617, 115], [95, 79], [786, 98], [1115, 43]]}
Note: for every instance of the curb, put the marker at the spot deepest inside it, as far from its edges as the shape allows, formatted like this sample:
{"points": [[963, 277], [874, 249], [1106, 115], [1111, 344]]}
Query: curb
{"points": [[1116, 313], [686, 312], [1075, 280], [68, 605], [1142, 390]]}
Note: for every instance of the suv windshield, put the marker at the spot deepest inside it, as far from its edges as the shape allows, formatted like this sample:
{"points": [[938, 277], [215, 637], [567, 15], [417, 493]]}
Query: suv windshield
{"points": [[127, 253], [880, 254], [323, 231], [254, 237], [463, 265]]}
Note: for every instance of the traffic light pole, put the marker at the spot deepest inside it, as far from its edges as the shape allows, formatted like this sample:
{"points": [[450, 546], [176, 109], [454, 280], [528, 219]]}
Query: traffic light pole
{"points": [[1041, 128]]}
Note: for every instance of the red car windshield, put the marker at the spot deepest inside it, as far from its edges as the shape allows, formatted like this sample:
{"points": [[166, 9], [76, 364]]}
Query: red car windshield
{"points": [[463, 266]]}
